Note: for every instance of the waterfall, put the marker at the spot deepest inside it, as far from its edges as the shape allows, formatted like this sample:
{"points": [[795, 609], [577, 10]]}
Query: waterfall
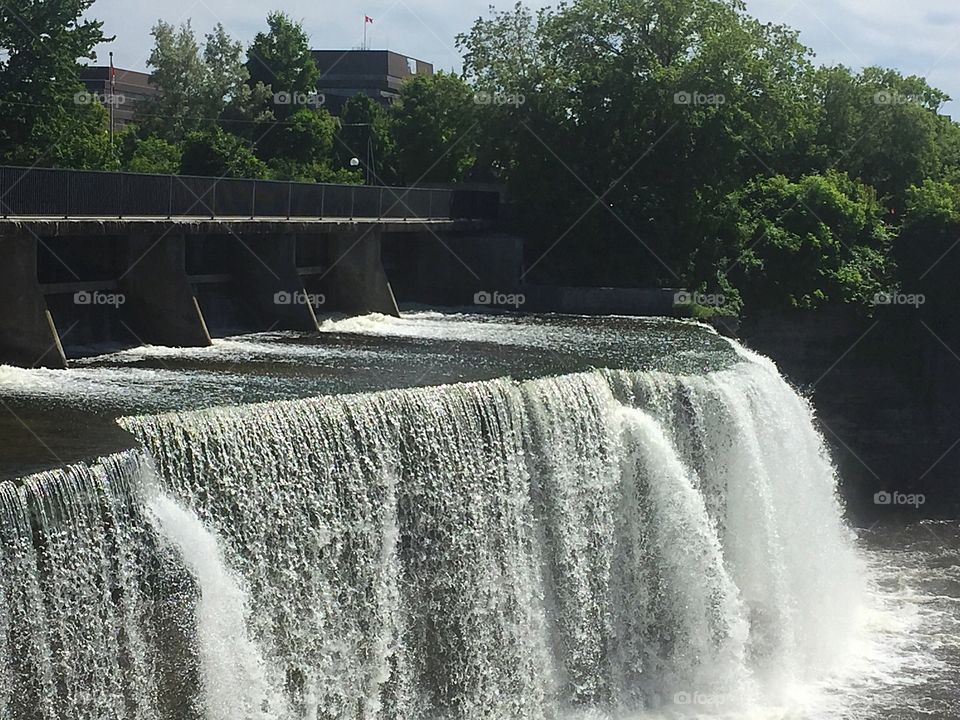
{"points": [[609, 542], [94, 610]]}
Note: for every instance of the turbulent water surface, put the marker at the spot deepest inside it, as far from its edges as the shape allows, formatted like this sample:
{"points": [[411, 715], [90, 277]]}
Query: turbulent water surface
{"points": [[459, 517]]}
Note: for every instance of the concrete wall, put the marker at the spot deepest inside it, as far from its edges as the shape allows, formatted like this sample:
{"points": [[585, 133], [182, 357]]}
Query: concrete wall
{"points": [[158, 298], [267, 270], [28, 336], [358, 281], [486, 271], [159, 284], [598, 301], [450, 269]]}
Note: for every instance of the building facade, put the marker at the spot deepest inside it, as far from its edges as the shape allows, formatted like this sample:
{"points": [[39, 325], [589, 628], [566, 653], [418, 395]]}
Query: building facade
{"points": [[377, 73], [132, 89]]}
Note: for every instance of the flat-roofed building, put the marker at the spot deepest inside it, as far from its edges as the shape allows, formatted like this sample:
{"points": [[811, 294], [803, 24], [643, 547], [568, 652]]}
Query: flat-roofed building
{"points": [[377, 73], [132, 90]]}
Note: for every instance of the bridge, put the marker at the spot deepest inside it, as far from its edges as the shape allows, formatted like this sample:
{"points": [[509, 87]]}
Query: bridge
{"points": [[98, 257]]}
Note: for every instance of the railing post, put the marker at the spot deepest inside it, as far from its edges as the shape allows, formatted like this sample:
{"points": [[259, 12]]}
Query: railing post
{"points": [[323, 199], [289, 199], [380, 205], [69, 195], [430, 204], [353, 201], [253, 206], [170, 200], [120, 199], [213, 201]]}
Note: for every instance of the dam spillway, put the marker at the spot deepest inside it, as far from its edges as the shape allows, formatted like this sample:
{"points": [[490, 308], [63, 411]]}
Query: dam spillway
{"points": [[611, 541]]}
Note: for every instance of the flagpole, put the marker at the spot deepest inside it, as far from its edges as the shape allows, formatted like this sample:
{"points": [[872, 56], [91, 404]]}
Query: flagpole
{"points": [[113, 88], [364, 32]]}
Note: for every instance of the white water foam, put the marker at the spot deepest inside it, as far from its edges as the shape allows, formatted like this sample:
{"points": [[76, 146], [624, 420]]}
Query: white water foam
{"points": [[235, 682], [679, 537], [609, 544]]}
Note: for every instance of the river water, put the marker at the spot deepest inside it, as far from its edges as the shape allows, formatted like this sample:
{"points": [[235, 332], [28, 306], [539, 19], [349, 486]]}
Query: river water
{"points": [[452, 516]]}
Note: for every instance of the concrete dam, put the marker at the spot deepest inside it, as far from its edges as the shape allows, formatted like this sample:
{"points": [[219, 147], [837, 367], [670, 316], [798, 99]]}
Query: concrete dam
{"points": [[121, 258]]}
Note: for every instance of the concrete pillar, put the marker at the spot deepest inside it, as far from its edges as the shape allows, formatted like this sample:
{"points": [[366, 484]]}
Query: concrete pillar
{"points": [[267, 268], [358, 283], [28, 336], [160, 304]]}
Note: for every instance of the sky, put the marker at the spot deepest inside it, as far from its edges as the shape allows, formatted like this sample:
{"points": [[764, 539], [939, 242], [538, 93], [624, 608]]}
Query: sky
{"points": [[920, 37]]}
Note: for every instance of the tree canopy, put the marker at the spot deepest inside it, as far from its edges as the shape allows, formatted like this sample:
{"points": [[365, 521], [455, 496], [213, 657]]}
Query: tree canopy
{"points": [[46, 116]]}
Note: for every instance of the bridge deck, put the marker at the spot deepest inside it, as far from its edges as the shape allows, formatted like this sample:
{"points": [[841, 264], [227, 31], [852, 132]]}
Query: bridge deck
{"points": [[60, 226]]}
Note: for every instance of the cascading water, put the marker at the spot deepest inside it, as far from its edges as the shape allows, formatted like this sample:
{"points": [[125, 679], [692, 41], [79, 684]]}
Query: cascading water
{"points": [[95, 618], [611, 543]]}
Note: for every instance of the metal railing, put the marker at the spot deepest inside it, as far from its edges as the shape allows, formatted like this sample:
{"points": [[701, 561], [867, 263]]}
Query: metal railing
{"points": [[54, 193]]}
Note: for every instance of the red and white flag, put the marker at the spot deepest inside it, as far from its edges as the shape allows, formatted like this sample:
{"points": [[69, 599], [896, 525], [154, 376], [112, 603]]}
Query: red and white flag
{"points": [[367, 19]]}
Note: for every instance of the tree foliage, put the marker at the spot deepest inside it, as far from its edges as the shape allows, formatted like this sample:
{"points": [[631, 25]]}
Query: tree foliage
{"points": [[155, 155], [179, 72], [46, 117], [684, 142], [366, 134], [281, 60], [218, 153], [434, 126], [197, 86], [809, 242]]}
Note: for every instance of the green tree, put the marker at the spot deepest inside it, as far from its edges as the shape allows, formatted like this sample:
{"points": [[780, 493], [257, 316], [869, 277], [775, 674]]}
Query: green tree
{"points": [[501, 53], [226, 82], [927, 250], [301, 148], [365, 134], [805, 243], [198, 87], [638, 119], [282, 60], [503, 58], [180, 74], [307, 136], [217, 153], [155, 155], [881, 127], [433, 127], [46, 117]]}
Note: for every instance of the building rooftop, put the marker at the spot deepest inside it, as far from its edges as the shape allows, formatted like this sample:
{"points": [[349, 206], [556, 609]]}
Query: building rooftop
{"points": [[377, 73]]}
